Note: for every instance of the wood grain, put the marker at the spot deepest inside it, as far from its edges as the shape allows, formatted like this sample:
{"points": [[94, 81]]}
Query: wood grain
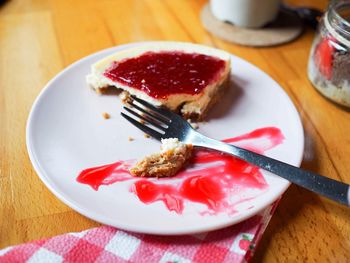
{"points": [[38, 38]]}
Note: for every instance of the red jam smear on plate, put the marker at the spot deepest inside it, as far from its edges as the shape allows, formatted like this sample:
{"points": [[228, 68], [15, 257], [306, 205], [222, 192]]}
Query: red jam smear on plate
{"points": [[160, 74], [216, 180]]}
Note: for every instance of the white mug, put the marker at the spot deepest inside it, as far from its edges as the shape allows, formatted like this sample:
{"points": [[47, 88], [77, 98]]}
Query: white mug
{"points": [[245, 13]]}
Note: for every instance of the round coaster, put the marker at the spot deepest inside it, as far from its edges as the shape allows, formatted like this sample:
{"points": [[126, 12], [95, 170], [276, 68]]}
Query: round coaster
{"points": [[285, 28]]}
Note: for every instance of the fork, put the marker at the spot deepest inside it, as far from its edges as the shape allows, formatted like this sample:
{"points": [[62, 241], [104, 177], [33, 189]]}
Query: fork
{"points": [[161, 123]]}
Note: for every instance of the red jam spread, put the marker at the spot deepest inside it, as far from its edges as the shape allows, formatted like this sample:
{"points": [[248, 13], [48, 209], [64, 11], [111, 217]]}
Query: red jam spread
{"points": [[219, 181], [160, 74]]}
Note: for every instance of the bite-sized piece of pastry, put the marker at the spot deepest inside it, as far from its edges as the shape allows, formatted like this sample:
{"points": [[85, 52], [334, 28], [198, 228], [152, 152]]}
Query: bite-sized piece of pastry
{"points": [[173, 156]]}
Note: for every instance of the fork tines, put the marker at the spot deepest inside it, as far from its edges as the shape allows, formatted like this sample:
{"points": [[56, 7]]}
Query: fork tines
{"points": [[150, 119]]}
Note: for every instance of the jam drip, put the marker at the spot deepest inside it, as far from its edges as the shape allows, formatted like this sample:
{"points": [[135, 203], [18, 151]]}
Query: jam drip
{"points": [[160, 74], [213, 179]]}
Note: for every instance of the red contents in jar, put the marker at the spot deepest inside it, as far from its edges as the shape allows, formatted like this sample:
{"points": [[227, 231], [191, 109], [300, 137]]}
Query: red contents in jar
{"points": [[164, 73], [324, 56], [214, 180]]}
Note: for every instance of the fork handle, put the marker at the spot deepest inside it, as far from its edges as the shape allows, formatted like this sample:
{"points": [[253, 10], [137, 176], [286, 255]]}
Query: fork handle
{"points": [[332, 189]]}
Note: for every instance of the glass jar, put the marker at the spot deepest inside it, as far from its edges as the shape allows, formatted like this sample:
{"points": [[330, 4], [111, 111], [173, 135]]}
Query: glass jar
{"points": [[329, 62]]}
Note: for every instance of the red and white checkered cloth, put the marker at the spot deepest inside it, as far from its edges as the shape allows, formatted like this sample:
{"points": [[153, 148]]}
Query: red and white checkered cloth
{"points": [[107, 244]]}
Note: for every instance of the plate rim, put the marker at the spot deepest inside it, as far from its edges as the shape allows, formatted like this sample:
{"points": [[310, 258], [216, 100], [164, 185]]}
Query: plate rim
{"points": [[42, 174]]}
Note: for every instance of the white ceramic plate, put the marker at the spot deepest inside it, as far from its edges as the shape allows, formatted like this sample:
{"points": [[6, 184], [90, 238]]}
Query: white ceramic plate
{"points": [[66, 134]]}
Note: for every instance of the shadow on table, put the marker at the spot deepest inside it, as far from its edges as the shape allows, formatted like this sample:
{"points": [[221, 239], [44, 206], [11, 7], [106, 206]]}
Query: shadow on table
{"points": [[3, 2]]}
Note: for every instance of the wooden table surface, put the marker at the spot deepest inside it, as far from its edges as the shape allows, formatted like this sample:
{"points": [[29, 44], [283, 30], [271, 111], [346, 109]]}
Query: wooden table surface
{"points": [[38, 38]]}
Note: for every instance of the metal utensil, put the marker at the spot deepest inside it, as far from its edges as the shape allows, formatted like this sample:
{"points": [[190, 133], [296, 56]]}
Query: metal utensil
{"points": [[161, 123]]}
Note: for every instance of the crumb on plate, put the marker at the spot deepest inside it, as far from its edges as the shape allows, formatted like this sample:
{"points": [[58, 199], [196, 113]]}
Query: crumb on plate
{"points": [[106, 115]]}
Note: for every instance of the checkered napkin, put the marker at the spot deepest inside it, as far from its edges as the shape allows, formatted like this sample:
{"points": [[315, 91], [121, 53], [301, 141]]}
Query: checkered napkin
{"points": [[107, 244]]}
